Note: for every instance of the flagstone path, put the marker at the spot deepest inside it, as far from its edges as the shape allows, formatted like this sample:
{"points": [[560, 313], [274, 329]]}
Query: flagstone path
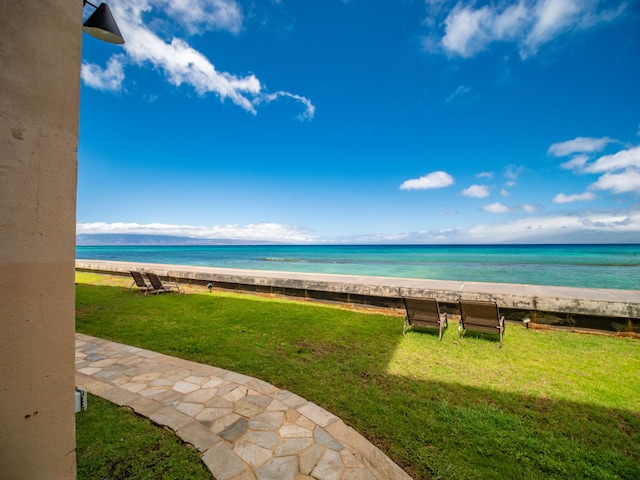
{"points": [[243, 427]]}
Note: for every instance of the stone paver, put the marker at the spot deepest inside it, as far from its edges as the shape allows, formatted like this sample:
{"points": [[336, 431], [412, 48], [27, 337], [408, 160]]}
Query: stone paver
{"points": [[243, 427]]}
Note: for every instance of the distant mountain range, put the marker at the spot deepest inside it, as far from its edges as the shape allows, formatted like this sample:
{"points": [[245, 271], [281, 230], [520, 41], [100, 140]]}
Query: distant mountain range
{"points": [[127, 239]]}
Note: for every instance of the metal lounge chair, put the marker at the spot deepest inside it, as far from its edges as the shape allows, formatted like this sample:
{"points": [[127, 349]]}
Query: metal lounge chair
{"points": [[424, 312], [481, 317], [140, 282], [160, 286]]}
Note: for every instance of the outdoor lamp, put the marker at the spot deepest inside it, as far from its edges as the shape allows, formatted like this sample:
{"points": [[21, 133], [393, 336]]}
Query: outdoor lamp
{"points": [[101, 24]]}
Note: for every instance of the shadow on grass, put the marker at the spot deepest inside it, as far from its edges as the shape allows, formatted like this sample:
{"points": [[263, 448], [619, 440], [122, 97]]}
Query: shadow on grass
{"points": [[432, 426]]}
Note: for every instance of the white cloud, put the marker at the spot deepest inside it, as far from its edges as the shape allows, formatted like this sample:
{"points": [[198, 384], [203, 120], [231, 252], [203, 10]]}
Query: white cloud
{"points": [[496, 208], [621, 225], [620, 171], [551, 17], [176, 59], [607, 226], [504, 193], [626, 181], [617, 161], [476, 191], [465, 34], [529, 24], [581, 227], [508, 24], [579, 145], [261, 231], [469, 31], [109, 78], [577, 197], [433, 180]]}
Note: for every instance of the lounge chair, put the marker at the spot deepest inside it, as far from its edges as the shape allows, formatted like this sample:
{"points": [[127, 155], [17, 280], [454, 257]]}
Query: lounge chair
{"points": [[424, 312], [140, 282], [481, 317], [160, 286]]}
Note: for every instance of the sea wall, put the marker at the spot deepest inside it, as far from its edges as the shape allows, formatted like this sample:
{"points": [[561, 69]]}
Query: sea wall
{"points": [[604, 309]]}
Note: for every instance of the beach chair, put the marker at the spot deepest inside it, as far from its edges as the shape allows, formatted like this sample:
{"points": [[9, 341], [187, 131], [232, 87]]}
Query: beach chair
{"points": [[481, 317], [425, 313], [159, 286], [140, 282]]}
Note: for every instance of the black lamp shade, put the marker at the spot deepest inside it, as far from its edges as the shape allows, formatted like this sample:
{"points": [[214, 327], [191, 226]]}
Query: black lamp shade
{"points": [[101, 25]]}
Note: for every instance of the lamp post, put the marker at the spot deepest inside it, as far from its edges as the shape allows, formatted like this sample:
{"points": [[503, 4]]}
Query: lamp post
{"points": [[102, 25]]}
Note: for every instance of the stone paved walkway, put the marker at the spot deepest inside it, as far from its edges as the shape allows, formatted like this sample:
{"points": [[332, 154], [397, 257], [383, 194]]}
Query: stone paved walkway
{"points": [[244, 428]]}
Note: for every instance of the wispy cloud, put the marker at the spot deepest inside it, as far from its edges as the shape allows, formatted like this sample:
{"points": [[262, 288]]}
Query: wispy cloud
{"points": [[198, 16], [276, 232], [577, 197], [579, 145], [270, 97], [529, 24], [459, 93], [175, 58], [575, 163], [512, 172], [438, 179], [485, 175], [530, 208]]}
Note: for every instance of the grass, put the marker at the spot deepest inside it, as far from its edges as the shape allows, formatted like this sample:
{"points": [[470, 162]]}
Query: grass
{"points": [[549, 404], [114, 444]]}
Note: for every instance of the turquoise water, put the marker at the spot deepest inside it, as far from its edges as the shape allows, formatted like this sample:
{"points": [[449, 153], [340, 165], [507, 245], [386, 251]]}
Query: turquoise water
{"points": [[591, 266]]}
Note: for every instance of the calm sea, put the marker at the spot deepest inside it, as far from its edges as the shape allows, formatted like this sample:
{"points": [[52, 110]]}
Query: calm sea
{"points": [[592, 266]]}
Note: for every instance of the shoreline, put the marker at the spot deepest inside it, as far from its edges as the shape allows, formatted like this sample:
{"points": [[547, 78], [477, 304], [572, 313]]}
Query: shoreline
{"points": [[592, 266], [522, 299]]}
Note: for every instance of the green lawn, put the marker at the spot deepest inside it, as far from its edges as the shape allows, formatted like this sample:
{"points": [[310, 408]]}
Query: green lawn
{"points": [[113, 443], [548, 404]]}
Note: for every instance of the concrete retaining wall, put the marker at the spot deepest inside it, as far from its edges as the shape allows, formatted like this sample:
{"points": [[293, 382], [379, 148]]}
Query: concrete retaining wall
{"points": [[384, 291]]}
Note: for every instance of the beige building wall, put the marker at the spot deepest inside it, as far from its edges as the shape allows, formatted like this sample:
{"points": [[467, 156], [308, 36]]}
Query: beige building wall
{"points": [[40, 54]]}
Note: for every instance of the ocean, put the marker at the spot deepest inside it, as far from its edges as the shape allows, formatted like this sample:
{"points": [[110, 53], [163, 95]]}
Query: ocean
{"points": [[589, 266]]}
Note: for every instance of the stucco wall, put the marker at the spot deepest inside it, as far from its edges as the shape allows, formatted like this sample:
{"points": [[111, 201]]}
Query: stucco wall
{"points": [[40, 50]]}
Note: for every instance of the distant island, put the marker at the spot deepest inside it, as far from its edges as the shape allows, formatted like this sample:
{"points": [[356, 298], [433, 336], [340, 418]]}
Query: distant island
{"points": [[128, 239]]}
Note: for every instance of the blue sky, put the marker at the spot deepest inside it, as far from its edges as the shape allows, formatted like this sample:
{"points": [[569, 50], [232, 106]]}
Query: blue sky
{"points": [[361, 121]]}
